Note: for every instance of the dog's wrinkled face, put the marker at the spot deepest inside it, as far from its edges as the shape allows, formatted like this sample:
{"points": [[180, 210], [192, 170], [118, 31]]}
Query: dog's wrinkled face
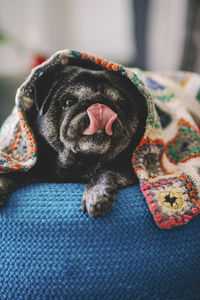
{"points": [[87, 122], [89, 112]]}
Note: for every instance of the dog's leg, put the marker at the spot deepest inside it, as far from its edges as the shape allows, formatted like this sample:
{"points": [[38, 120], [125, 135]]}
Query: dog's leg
{"points": [[100, 194]]}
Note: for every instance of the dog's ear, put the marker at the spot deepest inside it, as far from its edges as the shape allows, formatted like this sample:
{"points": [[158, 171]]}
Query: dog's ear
{"points": [[38, 87], [39, 90], [44, 86], [43, 103]]}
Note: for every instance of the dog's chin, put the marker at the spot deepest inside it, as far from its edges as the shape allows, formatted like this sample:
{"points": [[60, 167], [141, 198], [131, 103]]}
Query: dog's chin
{"points": [[97, 143]]}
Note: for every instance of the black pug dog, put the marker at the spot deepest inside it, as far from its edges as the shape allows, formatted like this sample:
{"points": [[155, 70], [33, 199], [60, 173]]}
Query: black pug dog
{"points": [[87, 125]]}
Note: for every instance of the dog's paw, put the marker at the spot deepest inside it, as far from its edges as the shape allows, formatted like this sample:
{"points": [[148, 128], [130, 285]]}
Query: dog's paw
{"points": [[98, 199]]}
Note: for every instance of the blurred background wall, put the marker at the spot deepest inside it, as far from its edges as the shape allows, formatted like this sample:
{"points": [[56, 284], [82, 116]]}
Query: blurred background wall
{"points": [[101, 27], [150, 34]]}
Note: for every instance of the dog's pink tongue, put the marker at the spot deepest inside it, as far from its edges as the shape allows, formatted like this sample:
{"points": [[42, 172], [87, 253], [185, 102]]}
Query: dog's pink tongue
{"points": [[101, 116]]}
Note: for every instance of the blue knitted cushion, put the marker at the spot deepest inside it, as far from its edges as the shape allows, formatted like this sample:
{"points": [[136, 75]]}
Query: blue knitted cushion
{"points": [[50, 250]]}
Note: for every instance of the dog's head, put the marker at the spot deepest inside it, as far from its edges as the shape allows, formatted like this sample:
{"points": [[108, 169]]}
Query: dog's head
{"points": [[90, 112]]}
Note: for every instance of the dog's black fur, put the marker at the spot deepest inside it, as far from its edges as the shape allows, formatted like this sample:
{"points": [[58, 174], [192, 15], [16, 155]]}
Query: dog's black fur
{"points": [[58, 119]]}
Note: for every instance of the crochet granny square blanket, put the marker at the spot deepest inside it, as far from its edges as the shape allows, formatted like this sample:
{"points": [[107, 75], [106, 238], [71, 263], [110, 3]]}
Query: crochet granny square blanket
{"points": [[167, 160]]}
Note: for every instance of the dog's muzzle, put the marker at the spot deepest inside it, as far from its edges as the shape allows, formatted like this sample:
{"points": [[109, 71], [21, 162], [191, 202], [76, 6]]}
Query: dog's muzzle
{"points": [[100, 116]]}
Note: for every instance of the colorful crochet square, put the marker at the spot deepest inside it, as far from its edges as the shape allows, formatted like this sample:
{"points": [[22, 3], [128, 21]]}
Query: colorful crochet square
{"points": [[148, 156], [171, 200], [185, 145]]}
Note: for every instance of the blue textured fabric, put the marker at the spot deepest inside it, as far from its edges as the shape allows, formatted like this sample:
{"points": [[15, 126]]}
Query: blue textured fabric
{"points": [[50, 250]]}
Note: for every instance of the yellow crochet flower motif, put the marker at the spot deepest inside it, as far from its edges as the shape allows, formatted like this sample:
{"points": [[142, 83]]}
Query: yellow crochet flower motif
{"points": [[171, 199]]}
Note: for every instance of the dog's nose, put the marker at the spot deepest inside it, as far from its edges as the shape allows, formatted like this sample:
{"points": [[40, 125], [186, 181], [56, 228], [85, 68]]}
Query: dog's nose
{"points": [[101, 116]]}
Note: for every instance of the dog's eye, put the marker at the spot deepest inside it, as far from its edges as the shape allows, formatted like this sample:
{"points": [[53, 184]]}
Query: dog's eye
{"points": [[68, 102]]}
